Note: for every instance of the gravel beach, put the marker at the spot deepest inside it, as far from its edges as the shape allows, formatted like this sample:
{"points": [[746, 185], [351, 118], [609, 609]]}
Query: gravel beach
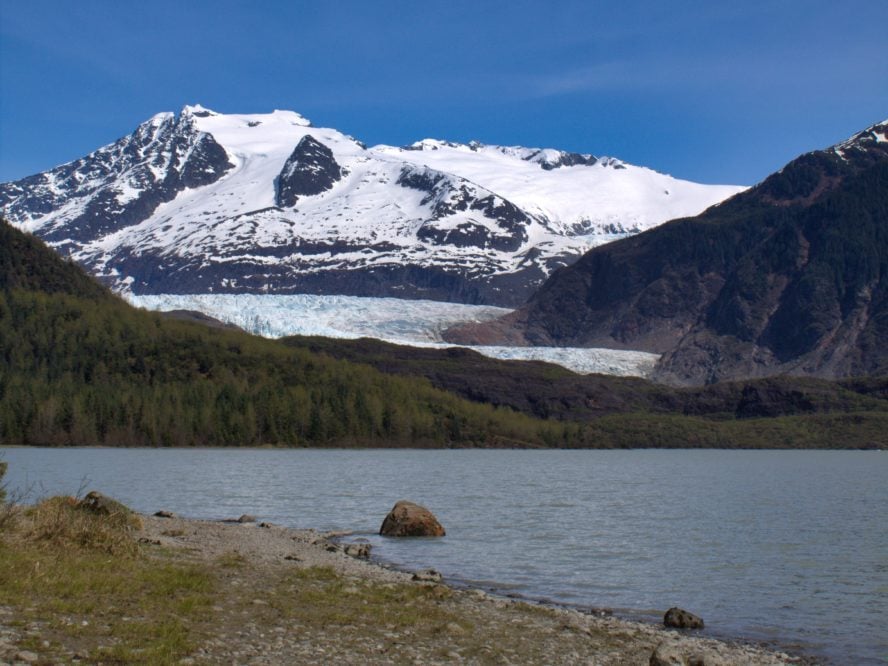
{"points": [[469, 627], [284, 596]]}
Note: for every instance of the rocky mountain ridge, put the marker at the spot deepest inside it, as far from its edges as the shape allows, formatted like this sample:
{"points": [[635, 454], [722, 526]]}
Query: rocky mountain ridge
{"points": [[789, 277], [203, 202]]}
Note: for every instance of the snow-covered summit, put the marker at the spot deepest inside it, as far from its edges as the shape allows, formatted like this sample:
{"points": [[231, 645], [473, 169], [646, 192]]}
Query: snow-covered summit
{"points": [[865, 140], [205, 202]]}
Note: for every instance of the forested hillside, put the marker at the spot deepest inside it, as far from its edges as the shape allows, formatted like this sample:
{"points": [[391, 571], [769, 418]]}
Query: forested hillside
{"points": [[549, 391], [78, 366]]}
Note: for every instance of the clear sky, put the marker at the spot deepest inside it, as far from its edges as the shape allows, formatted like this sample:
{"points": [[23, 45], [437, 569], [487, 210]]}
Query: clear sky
{"points": [[719, 92]]}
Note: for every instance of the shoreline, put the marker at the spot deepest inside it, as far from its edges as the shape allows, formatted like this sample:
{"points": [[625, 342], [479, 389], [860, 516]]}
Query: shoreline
{"points": [[238, 591], [267, 547], [647, 618]]}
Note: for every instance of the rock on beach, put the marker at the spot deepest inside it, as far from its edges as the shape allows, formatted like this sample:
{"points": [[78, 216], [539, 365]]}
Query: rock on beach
{"points": [[409, 519], [679, 618]]}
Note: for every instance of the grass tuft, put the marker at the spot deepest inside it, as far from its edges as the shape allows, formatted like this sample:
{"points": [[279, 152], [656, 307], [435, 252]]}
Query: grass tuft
{"points": [[81, 577], [63, 523]]}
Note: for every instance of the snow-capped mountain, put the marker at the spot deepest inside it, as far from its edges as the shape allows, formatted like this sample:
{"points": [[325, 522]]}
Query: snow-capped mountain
{"points": [[209, 203]]}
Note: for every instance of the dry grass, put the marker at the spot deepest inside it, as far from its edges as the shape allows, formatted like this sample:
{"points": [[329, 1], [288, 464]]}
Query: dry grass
{"points": [[63, 522], [79, 579]]}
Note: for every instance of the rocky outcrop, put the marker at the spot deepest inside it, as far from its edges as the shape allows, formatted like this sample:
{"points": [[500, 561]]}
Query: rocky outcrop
{"points": [[409, 519], [503, 225], [310, 169], [359, 550], [678, 618], [667, 654]]}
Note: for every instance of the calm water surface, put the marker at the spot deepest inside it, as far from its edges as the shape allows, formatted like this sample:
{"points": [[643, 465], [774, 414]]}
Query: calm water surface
{"points": [[786, 547]]}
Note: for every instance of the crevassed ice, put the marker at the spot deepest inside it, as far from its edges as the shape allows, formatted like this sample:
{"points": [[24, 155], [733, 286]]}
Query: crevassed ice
{"points": [[411, 322]]}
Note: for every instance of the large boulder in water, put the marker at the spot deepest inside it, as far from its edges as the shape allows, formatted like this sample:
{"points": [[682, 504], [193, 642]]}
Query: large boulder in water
{"points": [[682, 619], [409, 519]]}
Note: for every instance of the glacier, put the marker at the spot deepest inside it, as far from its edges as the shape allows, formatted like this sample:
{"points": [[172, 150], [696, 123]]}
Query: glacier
{"points": [[417, 323]]}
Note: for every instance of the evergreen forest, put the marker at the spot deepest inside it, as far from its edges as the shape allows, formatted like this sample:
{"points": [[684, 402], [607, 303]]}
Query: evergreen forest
{"points": [[78, 366]]}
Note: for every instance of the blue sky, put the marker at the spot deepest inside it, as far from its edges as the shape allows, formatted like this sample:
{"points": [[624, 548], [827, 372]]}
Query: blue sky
{"points": [[711, 91]]}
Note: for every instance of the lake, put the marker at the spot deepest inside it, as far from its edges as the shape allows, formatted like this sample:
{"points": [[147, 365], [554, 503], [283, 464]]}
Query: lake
{"points": [[784, 547]]}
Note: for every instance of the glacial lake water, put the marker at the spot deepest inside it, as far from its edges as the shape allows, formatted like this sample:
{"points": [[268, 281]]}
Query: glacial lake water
{"points": [[788, 548]]}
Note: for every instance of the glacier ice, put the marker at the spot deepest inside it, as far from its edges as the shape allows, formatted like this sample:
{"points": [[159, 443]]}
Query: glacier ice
{"points": [[417, 323]]}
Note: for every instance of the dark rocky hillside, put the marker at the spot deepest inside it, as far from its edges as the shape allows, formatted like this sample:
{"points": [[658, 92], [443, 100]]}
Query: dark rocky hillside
{"points": [[790, 277], [552, 392]]}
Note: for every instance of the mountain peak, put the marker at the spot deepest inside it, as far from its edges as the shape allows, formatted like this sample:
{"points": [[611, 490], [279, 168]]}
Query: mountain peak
{"points": [[252, 119], [198, 111], [159, 119], [866, 139], [208, 202]]}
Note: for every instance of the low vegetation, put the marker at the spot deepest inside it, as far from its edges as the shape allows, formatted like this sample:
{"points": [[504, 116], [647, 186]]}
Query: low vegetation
{"points": [[78, 578]]}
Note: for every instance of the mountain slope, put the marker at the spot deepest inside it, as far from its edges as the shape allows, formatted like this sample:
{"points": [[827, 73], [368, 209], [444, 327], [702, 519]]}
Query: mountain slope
{"points": [[205, 202], [548, 391], [27, 264], [790, 276], [78, 366]]}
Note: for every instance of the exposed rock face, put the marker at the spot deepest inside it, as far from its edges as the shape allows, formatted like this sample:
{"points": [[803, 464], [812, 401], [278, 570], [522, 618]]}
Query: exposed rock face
{"points": [[409, 519], [504, 225], [790, 277], [311, 169], [121, 184], [679, 618], [561, 159]]}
